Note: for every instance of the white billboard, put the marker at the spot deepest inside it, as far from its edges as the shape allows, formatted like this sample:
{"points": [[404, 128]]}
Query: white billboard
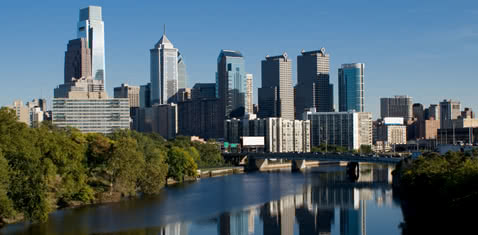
{"points": [[393, 121], [252, 141]]}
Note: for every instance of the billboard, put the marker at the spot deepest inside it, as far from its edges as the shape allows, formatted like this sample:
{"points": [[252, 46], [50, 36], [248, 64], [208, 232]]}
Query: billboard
{"points": [[393, 120], [252, 141]]}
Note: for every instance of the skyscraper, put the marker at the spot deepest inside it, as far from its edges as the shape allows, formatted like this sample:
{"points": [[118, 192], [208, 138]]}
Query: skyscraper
{"points": [[313, 88], [351, 93], [91, 28], [398, 106], [249, 93], [164, 72], [182, 75], [77, 60], [276, 96], [130, 92], [449, 110], [231, 80]]}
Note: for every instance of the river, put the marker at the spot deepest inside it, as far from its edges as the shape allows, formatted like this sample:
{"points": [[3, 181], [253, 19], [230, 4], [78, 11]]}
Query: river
{"points": [[319, 200]]}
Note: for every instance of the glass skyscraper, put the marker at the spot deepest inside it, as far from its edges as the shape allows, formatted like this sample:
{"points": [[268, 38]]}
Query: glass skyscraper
{"points": [[231, 79], [164, 72], [351, 96], [91, 27], [182, 75]]}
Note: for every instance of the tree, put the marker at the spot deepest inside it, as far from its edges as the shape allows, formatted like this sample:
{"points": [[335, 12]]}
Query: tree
{"points": [[155, 173], [6, 204], [180, 163], [125, 166], [366, 149], [210, 154]]}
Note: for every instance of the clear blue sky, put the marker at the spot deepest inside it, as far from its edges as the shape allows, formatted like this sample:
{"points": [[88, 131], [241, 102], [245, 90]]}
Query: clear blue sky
{"points": [[424, 49]]}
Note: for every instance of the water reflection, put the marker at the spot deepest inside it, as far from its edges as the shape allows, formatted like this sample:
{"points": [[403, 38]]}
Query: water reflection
{"points": [[266, 203]]}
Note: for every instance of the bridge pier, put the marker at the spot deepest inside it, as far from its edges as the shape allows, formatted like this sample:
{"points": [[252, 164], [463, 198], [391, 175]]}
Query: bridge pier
{"points": [[254, 164], [298, 165], [353, 170]]}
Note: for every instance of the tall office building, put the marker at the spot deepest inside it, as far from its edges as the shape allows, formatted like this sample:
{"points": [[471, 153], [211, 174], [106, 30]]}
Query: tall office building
{"points": [[77, 60], [249, 93], [182, 74], [203, 91], [145, 96], [449, 110], [434, 112], [351, 92], [231, 86], [313, 89], [91, 28], [398, 106], [231, 78], [276, 96], [164, 72], [130, 92]]}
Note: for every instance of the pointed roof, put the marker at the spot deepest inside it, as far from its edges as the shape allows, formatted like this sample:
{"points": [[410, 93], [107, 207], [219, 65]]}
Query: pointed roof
{"points": [[164, 41]]}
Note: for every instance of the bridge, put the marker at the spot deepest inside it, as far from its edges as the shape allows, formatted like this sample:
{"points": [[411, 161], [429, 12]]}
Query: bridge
{"points": [[259, 161]]}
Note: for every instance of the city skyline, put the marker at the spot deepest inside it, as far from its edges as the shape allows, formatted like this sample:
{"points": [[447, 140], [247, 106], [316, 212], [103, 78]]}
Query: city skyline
{"points": [[426, 68]]}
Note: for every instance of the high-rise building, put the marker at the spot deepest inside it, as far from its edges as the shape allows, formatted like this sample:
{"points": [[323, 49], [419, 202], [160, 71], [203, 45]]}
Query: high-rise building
{"points": [[145, 96], [198, 117], [418, 112], [184, 94], [164, 72], [351, 92], [77, 60], [130, 92], [313, 89], [91, 28], [249, 93], [398, 106], [203, 91], [22, 111], [276, 96], [347, 129], [182, 74], [434, 112], [231, 86], [449, 110], [281, 135], [392, 130]]}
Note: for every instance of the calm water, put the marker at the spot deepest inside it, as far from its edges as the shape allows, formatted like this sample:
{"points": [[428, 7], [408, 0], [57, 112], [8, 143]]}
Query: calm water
{"points": [[320, 200]]}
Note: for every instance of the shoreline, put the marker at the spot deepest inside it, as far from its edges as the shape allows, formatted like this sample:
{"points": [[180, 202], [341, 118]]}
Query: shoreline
{"points": [[202, 174]]}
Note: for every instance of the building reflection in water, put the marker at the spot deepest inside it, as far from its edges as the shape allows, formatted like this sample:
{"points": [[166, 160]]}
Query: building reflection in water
{"points": [[313, 210]]}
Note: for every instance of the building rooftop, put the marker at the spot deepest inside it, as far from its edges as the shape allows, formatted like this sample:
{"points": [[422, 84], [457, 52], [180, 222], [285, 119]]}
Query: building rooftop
{"points": [[230, 53]]}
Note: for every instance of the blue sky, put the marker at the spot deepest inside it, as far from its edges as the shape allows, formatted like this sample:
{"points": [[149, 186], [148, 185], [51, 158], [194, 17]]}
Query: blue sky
{"points": [[424, 49]]}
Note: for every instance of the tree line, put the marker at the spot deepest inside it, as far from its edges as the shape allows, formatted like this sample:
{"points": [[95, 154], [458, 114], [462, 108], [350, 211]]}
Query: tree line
{"points": [[45, 168], [438, 193]]}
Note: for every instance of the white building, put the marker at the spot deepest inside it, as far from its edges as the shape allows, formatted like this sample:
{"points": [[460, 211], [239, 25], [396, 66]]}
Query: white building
{"points": [[392, 131], [249, 93], [281, 135], [347, 129], [102, 115]]}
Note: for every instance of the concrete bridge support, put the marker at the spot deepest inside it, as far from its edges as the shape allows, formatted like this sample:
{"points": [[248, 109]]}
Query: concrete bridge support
{"points": [[254, 164], [353, 170], [298, 165]]}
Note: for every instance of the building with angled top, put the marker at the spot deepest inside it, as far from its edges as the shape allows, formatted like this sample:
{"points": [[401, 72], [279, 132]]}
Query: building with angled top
{"points": [[91, 29], [164, 72], [182, 74], [313, 89], [351, 92], [276, 96]]}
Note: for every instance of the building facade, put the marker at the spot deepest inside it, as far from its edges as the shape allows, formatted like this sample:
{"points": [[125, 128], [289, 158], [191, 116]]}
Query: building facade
{"points": [[130, 92], [182, 74], [163, 72], [392, 131], [203, 91], [281, 135], [398, 106], [77, 60], [351, 92], [91, 115], [276, 96], [347, 129], [91, 29], [199, 117], [249, 93], [313, 89], [145, 96], [449, 110]]}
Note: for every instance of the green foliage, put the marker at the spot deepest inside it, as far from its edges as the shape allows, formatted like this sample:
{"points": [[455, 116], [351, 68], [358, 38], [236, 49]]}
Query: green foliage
{"points": [[6, 204], [180, 163], [329, 148], [365, 149], [49, 167]]}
